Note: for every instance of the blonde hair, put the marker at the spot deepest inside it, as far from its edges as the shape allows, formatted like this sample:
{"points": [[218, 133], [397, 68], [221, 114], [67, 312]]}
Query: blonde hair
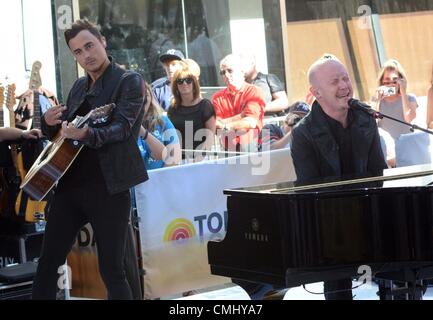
{"points": [[153, 115], [391, 65], [184, 72], [194, 67]]}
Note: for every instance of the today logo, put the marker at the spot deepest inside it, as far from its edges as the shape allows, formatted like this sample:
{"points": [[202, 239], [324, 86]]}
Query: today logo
{"points": [[207, 225]]}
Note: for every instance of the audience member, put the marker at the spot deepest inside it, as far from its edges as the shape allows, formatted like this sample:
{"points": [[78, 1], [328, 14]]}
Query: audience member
{"points": [[192, 116], [158, 142], [239, 107], [393, 100], [273, 89], [171, 61], [274, 137]]}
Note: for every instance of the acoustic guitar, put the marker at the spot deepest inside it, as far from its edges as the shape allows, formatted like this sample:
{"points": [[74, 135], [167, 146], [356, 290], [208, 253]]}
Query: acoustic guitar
{"points": [[58, 156]]}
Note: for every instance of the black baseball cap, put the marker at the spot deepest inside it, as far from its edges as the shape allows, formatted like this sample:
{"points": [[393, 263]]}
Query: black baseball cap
{"points": [[299, 107], [171, 54]]}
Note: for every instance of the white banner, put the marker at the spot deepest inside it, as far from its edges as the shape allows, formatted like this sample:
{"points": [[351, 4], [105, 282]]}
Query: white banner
{"points": [[181, 208]]}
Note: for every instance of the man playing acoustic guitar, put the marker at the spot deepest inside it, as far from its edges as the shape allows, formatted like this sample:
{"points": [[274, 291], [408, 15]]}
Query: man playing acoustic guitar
{"points": [[96, 186]]}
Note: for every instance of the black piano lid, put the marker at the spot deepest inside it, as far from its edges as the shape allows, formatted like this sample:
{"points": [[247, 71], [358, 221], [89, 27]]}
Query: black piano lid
{"points": [[397, 179]]}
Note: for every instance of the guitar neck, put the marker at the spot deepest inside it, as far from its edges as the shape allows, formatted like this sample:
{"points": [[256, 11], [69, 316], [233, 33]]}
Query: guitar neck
{"points": [[11, 119], [2, 121], [36, 119]]}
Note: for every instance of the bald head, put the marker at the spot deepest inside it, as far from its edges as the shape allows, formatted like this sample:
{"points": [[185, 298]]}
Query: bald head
{"points": [[320, 67], [331, 85]]}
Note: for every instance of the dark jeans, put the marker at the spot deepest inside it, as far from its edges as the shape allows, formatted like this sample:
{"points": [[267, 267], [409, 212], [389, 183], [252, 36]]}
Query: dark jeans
{"points": [[338, 289], [72, 209]]}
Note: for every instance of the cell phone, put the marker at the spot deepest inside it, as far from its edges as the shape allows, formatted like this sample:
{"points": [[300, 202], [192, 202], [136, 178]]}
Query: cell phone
{"points": [[389, 91]]}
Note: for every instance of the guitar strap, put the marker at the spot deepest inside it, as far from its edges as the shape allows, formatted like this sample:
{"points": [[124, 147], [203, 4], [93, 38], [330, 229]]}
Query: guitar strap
{"points": [[115, 93]]}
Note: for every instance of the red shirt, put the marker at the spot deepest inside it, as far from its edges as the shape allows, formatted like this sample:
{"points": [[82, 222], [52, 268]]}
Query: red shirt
{"points": [[248, 101]]}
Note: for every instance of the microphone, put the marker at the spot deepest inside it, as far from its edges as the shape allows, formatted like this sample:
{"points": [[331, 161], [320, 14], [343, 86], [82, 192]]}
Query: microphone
{"points": [[356, 104]]}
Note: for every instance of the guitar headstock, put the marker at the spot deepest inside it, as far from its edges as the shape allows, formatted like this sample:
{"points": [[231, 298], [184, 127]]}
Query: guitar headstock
{"points": [[2, 97], [101, 115], [10, 97], [35, 77]]}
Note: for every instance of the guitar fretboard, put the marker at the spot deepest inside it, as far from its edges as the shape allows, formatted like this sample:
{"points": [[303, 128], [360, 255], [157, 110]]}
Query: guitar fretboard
{"points": [[2, 100]]}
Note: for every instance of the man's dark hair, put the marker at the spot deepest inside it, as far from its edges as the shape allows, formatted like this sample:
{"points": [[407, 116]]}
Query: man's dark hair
{"points": [[79, 26]]}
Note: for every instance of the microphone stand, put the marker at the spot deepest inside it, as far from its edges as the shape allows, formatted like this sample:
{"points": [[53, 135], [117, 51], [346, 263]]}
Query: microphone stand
{"points": [[379, 115]]}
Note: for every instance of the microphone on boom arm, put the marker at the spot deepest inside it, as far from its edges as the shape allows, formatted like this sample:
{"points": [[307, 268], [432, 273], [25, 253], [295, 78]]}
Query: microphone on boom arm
{"points": [[356, 104]]}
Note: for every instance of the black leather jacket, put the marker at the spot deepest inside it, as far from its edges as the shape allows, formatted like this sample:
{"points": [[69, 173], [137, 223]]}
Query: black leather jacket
{"points": [[315, 152], [116, 143]]}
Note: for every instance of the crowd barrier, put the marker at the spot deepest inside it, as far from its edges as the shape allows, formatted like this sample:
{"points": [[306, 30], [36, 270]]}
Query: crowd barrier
{"points": [[182, 208]]}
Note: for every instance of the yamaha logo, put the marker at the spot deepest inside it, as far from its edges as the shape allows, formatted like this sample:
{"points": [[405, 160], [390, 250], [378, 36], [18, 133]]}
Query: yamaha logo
{"points": [[255, 235], [255, 225]]}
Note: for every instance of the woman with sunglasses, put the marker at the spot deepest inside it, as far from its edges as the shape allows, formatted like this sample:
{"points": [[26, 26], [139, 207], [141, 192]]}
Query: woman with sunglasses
{"points": [[193, 116], [392, 99]]}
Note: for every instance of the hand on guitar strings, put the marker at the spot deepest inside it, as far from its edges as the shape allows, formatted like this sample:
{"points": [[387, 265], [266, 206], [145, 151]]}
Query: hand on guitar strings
{"points": [[73, 133], [53, 115]]}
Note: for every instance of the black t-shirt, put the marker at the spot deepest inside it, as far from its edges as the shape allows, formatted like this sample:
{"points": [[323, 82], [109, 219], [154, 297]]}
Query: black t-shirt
{"points": [[269, 84], [343, 138], [189, 120], [85, 169]]}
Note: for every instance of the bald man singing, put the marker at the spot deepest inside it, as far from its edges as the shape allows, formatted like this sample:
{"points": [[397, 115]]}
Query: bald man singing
{"points": [[334, 141]]}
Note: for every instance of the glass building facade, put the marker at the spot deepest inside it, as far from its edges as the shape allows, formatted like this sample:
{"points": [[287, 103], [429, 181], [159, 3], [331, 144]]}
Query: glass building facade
{"points": [[138, 31], [285, 35]]}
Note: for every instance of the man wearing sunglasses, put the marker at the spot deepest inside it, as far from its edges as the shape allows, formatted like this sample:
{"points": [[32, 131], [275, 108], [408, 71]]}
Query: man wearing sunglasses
{"points": [[239, 108], [171, 61]]}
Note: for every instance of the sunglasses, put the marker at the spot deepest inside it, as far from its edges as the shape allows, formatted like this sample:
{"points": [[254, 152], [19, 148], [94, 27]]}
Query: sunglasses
{"points": [[184, 80], [223, 72]]}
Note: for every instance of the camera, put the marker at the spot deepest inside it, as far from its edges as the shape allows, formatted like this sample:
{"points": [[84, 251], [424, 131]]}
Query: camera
{"points": [[389, 91]]}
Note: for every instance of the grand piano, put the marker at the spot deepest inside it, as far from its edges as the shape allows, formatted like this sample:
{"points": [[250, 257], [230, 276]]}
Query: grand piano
{"points": [[288, 236]]}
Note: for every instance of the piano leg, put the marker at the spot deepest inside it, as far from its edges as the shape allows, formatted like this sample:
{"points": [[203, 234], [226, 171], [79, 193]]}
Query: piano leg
{"points": [[338, 289], [396, 290]]}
